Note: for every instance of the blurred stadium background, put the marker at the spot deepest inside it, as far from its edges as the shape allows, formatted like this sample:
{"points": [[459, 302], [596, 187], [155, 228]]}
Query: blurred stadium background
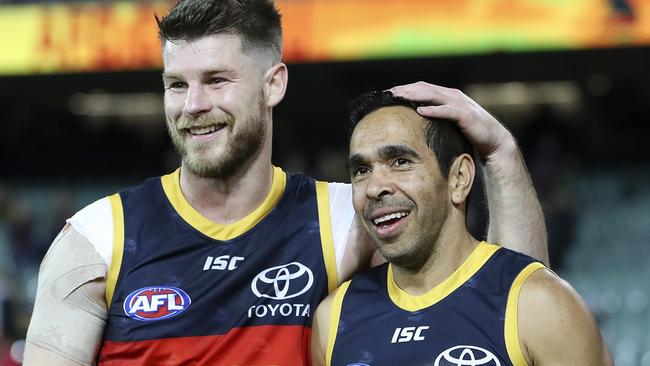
{"points": [[82, 117]]}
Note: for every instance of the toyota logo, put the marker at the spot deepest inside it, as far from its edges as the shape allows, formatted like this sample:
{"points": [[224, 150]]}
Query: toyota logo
{"points": [[466, 356], [283, 282]]}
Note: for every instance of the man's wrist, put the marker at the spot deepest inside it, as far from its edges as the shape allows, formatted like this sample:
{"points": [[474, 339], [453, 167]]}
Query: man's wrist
{"points": [[505, 155]]}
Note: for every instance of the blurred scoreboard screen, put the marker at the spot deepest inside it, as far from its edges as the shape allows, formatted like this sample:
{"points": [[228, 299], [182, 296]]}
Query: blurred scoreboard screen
{"points": [[116, 36]]}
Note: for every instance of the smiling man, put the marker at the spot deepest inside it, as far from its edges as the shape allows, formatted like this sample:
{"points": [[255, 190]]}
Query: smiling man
{"points": [[443, 298], [223, 261]]}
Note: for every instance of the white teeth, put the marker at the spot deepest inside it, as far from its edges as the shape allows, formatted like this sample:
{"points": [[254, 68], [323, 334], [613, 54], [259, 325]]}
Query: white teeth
{"points": [[202, 130], [395, 215]]}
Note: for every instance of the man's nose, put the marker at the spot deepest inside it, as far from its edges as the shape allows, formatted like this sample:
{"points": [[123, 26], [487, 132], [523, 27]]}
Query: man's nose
{"points": [[380, 183], [197, 101]]}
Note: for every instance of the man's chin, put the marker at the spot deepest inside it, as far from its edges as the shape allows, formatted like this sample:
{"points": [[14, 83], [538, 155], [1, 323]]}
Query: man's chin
{"points": [[203, 169], [214, 169], [398, 257], [391, 253]]}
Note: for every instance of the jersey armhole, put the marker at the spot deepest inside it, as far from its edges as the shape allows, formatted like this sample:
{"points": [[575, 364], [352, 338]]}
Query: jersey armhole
{"points": [[335, 315], [341, 218], [326, 234], [511, 331], [118, 247]]}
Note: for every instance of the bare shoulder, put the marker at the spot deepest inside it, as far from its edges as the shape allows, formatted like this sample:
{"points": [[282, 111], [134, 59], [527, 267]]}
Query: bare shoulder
{"points": [[322, 316], [321, 326], [555, 325]]}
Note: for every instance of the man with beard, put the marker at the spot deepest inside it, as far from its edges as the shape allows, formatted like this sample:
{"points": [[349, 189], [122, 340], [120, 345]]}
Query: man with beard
{"points": [[223, 261], [443, 298]]}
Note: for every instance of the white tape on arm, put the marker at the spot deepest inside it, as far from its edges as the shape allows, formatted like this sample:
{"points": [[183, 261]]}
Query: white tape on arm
{"points": [[70, 311]]}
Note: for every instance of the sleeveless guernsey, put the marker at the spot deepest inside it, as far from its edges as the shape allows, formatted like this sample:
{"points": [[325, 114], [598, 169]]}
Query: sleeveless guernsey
{"points": [[184, 291], [469, 319]]}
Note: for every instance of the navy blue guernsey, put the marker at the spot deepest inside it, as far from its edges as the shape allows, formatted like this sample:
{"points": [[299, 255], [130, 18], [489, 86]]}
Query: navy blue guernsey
{"points": [[469, 319], [184, 297]]}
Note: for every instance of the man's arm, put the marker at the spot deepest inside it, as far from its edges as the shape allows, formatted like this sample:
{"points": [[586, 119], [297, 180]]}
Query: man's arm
{"points": [[516, 218], [36, 355], [70, 309], [555, 325], [360, 252], [320, 331]]}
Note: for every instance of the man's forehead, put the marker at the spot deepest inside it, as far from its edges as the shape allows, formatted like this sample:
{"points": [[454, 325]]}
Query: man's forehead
{"points": [[205, 42], [221, 47], [389, 124]]}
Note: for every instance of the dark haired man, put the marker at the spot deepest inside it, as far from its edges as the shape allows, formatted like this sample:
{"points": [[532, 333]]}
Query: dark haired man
{"points": [[443, 298], [223, 261]]}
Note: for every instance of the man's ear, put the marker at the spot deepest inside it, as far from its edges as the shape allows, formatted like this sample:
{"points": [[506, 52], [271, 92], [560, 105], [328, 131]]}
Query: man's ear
{"points": [[461, 178], [275, 84]]}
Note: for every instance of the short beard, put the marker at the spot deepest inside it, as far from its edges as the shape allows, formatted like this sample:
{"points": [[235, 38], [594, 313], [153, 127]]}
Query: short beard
{"points": [[409, 258], [422, 250], [414, 254], [240, 147]]}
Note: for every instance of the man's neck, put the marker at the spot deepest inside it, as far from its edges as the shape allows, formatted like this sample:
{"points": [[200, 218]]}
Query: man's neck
{"points": [[453, 247], [225, 201]]}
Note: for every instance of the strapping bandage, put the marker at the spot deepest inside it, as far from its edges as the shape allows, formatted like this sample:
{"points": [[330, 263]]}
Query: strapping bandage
{"points": [[68, 319]]}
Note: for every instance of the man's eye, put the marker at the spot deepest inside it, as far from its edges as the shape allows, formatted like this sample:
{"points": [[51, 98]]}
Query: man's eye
{"points": [[217, 80], [177, 85], [362, 170], [401, 161]]}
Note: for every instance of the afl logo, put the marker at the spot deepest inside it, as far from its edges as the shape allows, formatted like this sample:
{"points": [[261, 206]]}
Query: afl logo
{"points": [[283, 282], [466, 356], [156, 303]]}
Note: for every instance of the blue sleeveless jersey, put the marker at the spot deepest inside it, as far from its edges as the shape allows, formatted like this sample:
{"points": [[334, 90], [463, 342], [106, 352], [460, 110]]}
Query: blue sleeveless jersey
{"points": [[469, 319], [187, 292]]}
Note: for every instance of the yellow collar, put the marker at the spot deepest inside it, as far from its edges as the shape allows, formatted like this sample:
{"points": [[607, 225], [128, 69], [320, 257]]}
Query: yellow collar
{"points": [[470, 266], [171, 186]]}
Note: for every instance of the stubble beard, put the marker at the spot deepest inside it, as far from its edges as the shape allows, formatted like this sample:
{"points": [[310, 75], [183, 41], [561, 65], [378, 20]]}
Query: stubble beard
{"points": [[241, 146], [415, 246], [411, 256], [400, 250]]}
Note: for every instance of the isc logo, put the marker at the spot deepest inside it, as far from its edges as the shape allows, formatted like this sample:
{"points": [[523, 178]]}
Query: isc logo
{"points": [[222, 262], [408, 334], [156, 303]]}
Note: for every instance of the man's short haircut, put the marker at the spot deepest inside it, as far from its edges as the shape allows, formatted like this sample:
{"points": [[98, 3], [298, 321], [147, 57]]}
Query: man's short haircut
{"points": [[443, 137], [256, 22]]}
